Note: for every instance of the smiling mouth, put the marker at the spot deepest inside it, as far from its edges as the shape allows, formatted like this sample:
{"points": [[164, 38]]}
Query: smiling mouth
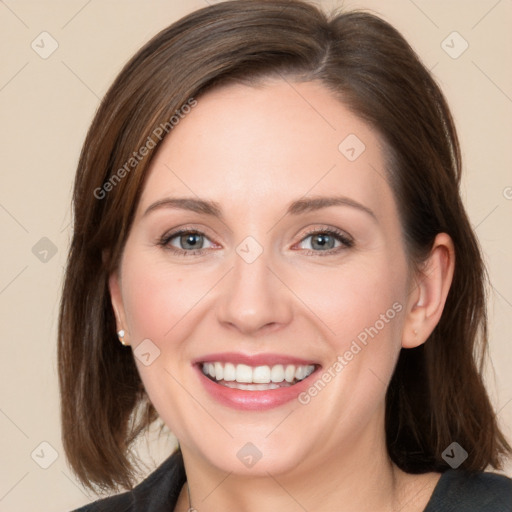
{"points": [[256, 378]]}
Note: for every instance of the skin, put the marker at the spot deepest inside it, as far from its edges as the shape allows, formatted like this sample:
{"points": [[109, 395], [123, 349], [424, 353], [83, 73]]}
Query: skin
{"points": [[254, 150]]}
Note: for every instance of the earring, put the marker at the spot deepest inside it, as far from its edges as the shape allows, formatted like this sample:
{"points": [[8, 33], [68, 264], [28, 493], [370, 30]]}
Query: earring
{"points": [[120, 335], [415, 332]]}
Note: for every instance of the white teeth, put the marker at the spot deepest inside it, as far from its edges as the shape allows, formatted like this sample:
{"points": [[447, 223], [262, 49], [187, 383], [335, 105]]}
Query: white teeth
{"points": [[300, 372], [261, 375], [264, 377], [252, 387], [289, 373], [219, 371], [229, 372], [243, 373], [277, 373]]}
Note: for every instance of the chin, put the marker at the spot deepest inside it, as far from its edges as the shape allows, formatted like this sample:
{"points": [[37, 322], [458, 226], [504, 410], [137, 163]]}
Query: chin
{"points": [[256, 455]]}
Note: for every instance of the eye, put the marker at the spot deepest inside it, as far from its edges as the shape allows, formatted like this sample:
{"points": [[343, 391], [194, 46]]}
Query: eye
{"points": [[189, 242], [186, 242], [326, 240]]}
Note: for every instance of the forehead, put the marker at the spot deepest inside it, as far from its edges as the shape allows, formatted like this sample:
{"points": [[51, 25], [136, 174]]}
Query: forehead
{"points": [[281, 139]]}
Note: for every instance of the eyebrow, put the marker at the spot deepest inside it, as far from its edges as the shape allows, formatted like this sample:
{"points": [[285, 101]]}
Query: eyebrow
{"points": [[303, 205]]}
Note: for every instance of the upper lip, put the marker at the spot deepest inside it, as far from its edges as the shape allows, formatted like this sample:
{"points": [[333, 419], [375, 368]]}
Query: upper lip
{"points": [[253, 359]]}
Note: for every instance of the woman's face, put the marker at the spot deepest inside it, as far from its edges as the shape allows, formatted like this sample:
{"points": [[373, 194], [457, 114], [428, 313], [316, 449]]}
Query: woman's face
{"points": [[291, 261]]}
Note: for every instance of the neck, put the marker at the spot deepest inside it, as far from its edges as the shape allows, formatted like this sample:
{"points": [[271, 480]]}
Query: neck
{"points": [[356, 476]]}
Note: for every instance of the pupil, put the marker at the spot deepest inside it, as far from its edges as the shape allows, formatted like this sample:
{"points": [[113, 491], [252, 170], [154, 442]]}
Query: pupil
{"points": [[322, 242], [190, 241]]}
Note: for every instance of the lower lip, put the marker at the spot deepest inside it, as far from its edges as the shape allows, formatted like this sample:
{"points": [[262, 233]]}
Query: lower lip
{"points": [[253, 400]]}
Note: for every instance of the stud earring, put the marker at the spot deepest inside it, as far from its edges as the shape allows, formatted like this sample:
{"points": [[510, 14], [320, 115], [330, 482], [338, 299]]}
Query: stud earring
{"points": [[415, 332], [120, 335]]}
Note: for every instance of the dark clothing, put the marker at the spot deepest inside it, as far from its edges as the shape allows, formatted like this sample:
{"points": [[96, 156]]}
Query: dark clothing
{"points": [[482, 492], [456, 491]]}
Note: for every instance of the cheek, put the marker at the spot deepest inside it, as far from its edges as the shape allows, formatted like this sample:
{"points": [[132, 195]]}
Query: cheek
{"points": [[359, 301], [159, 303], [157, 298], [360, 312]]}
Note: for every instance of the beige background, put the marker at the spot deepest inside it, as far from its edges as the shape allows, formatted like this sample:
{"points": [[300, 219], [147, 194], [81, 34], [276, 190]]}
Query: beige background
{"points": [[47, 105]]}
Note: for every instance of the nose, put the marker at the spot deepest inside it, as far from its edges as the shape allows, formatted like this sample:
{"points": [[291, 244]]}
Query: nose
{"points": [[254, 299]]}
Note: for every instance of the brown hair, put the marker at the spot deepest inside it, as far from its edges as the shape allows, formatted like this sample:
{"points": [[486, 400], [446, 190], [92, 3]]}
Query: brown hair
{"points": [[436, 395]]}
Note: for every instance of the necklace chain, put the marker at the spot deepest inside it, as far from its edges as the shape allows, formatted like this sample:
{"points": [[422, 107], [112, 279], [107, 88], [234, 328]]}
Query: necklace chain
{"points": [[190, 507]]}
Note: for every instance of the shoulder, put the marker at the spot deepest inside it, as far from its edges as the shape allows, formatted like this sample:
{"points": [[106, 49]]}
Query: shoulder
{"points": [[459, 490], [122, 502], [158, 492]]}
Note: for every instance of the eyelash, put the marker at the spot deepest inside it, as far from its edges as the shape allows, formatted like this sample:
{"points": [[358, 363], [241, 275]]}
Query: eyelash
{"points": [[346, 242]]}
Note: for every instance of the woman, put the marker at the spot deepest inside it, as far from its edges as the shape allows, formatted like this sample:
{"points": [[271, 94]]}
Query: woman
{"points": [[267, 212]]}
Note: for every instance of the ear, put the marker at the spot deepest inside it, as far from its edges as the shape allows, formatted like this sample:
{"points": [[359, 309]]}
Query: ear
{"points": [[428, 292], [116, 299]]}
